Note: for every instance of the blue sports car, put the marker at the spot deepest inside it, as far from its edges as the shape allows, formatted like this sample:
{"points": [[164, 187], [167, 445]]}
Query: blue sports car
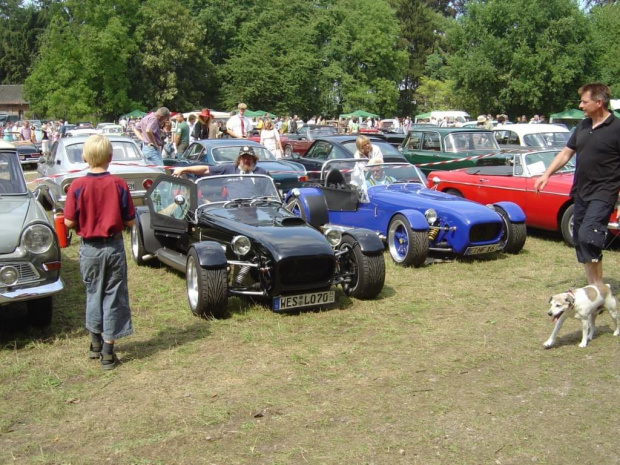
{"points": [[287, 174], [392, 200]]}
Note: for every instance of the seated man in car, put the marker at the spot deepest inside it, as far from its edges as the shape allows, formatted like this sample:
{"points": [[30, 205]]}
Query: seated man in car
{"points": [[237, 187], [375, 175]]}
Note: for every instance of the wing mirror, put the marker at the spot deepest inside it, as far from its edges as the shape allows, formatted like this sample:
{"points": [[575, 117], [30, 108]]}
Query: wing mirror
{"points": [[179, 200]]}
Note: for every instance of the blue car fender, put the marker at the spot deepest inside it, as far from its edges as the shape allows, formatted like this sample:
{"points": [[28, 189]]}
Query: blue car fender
{"points": [[416, 219], [368, 240], [513, 210], [210, 255], [311, 202]]}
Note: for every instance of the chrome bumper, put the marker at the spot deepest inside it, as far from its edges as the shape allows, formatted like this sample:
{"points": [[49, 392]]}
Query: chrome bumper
{"points": [[31, 292]]}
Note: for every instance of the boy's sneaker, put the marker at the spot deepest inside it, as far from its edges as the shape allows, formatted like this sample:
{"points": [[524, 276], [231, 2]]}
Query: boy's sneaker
{"points": [[94, 351], [109, 361]]}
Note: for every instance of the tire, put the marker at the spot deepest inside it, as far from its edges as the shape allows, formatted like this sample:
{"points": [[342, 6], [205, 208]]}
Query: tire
{"points": [[513, 238], [365, 273], [455, 192], [40, 312], [407, 247], [137, 246], [566, 225], [207, 290], [288, 151], [295, 207]]}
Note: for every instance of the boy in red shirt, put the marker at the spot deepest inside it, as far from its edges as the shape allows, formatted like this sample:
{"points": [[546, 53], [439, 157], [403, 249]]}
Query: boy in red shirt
{"points": [[98, 207]]}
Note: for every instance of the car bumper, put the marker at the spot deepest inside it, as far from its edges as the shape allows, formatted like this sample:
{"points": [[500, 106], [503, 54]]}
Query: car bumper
{"points": [[28, 293]]}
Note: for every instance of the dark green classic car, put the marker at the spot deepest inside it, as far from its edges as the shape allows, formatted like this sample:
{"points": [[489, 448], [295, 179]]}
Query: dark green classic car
{"points": [[438, 148]]}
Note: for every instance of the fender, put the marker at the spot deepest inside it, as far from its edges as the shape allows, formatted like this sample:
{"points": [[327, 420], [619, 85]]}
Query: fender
{"points": [[143, 217], [416, 219], [513, 210], [44, 197], [313, 204], [210, 255], [368, 240]]}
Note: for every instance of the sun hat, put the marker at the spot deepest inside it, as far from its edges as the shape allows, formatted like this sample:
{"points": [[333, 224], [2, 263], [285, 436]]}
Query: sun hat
{"points": [[205, 113], [482, 119]]}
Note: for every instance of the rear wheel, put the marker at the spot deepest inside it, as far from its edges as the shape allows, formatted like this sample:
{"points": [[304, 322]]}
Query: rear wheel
{"points": [[137, 246], [407, 247], [207, 289], [513, 237], [567, 225], [40, 312], [454, 192], [364, 274]]}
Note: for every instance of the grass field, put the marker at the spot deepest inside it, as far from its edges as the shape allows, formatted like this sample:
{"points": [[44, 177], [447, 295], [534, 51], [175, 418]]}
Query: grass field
{"points": [[445, 367]]}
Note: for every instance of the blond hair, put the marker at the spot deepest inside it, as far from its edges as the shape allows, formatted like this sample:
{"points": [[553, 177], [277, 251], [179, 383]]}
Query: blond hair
{"points": [[360, 142], [97, 151], [268, 124]]}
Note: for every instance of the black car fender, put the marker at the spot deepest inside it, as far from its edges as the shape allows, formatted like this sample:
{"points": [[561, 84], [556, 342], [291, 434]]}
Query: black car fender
{"points": [[210, 255], [143, 219], [368, 240], [416, 219], [515, 213]]}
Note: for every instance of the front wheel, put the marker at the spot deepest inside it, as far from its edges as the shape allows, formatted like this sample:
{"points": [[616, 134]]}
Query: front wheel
{"points": [[40, 312], [288, 151], [364, 275], [567, 225], [137, 246], [407, 247], [513, 237], [455, 192], [207, 289]]}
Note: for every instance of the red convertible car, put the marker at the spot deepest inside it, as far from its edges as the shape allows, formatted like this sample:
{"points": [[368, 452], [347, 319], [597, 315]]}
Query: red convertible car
{"points": [[300, 141], [511, 177]]}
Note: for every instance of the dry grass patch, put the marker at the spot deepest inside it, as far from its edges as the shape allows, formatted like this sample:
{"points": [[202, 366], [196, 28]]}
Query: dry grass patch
{"points": [[446, 366]]}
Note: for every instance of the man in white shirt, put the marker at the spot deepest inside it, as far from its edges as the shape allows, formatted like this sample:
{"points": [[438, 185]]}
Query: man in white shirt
{"points": [[239, 126]]}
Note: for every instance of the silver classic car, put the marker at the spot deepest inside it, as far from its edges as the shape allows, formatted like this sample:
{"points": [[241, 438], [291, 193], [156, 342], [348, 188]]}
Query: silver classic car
{"points": [[64, 164], [29, 252]]}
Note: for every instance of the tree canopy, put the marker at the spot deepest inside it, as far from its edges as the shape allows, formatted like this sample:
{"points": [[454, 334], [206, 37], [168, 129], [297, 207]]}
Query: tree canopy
{"points": [[99, 59]]}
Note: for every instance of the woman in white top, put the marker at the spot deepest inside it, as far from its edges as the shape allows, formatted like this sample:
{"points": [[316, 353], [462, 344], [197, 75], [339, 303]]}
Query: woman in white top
{"points": [[270, 138], [364, 150]]}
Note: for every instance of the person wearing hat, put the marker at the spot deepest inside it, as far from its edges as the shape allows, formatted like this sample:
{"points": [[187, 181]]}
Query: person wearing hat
{"points": [[201, 129], [239, 126], [481, 120], [246, 163]]}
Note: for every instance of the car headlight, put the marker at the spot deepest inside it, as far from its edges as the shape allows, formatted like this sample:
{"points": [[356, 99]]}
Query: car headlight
{"points": [[8, 275], [333, 236], [37, 238], [241, 245], [430, 215]]}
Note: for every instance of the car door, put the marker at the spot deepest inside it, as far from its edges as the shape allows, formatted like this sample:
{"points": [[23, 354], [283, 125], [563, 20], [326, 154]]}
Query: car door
{"points": [[171, 202], [314, 158], [192, 155], [422, 147], [299, 140], [509, 187]]}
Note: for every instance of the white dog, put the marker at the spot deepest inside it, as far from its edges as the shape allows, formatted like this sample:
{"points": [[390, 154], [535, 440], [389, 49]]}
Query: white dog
{"points": [[585, 304]]}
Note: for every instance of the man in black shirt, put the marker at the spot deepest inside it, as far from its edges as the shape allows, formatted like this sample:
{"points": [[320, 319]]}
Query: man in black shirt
{"points": [[597, 176]]}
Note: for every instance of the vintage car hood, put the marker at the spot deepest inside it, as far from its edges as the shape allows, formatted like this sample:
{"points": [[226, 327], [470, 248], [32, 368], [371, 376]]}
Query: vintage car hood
{"points": [[15, 211], [282, 233], [420, 198]]}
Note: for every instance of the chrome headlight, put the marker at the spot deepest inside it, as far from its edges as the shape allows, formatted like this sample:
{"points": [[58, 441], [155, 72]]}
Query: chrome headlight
{"points": [[37, 238], [9, 275], [333, 236], [430, 215], [241, 245]]}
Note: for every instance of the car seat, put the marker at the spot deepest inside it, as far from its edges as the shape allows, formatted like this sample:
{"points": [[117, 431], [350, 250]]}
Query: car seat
{"points": [[335, 179]]}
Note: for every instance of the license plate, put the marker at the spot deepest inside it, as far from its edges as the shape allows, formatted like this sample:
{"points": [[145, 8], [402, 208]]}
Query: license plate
{"points": [[482, 249], [131, 186], [22, 157], [303, 300]]}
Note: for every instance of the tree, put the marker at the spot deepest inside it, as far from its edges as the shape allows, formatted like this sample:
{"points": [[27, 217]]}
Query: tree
{"points": [[606, 42], [519, 56]]}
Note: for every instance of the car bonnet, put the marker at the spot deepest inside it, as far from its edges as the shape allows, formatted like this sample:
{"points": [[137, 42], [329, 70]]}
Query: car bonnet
{"points": [[13, 215]]}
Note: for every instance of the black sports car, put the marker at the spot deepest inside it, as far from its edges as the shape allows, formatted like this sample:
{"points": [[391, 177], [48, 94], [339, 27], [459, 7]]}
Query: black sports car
{"points": [[231, 235]]}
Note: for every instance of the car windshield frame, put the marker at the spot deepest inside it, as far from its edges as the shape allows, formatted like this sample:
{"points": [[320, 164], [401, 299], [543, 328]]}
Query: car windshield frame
{"points": [[536, 163], [225, 188], [12, 180]]}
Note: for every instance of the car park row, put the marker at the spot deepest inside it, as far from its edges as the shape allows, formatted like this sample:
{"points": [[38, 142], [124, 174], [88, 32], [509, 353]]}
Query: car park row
{"points": [[241, 235]]}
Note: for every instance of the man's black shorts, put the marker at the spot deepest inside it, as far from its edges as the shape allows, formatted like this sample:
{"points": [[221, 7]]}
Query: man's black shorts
{"points": [[590, 228]]}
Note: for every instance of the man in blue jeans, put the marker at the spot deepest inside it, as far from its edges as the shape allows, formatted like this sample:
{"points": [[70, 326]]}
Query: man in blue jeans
{"points": [[148, 130], [597, 176]]}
